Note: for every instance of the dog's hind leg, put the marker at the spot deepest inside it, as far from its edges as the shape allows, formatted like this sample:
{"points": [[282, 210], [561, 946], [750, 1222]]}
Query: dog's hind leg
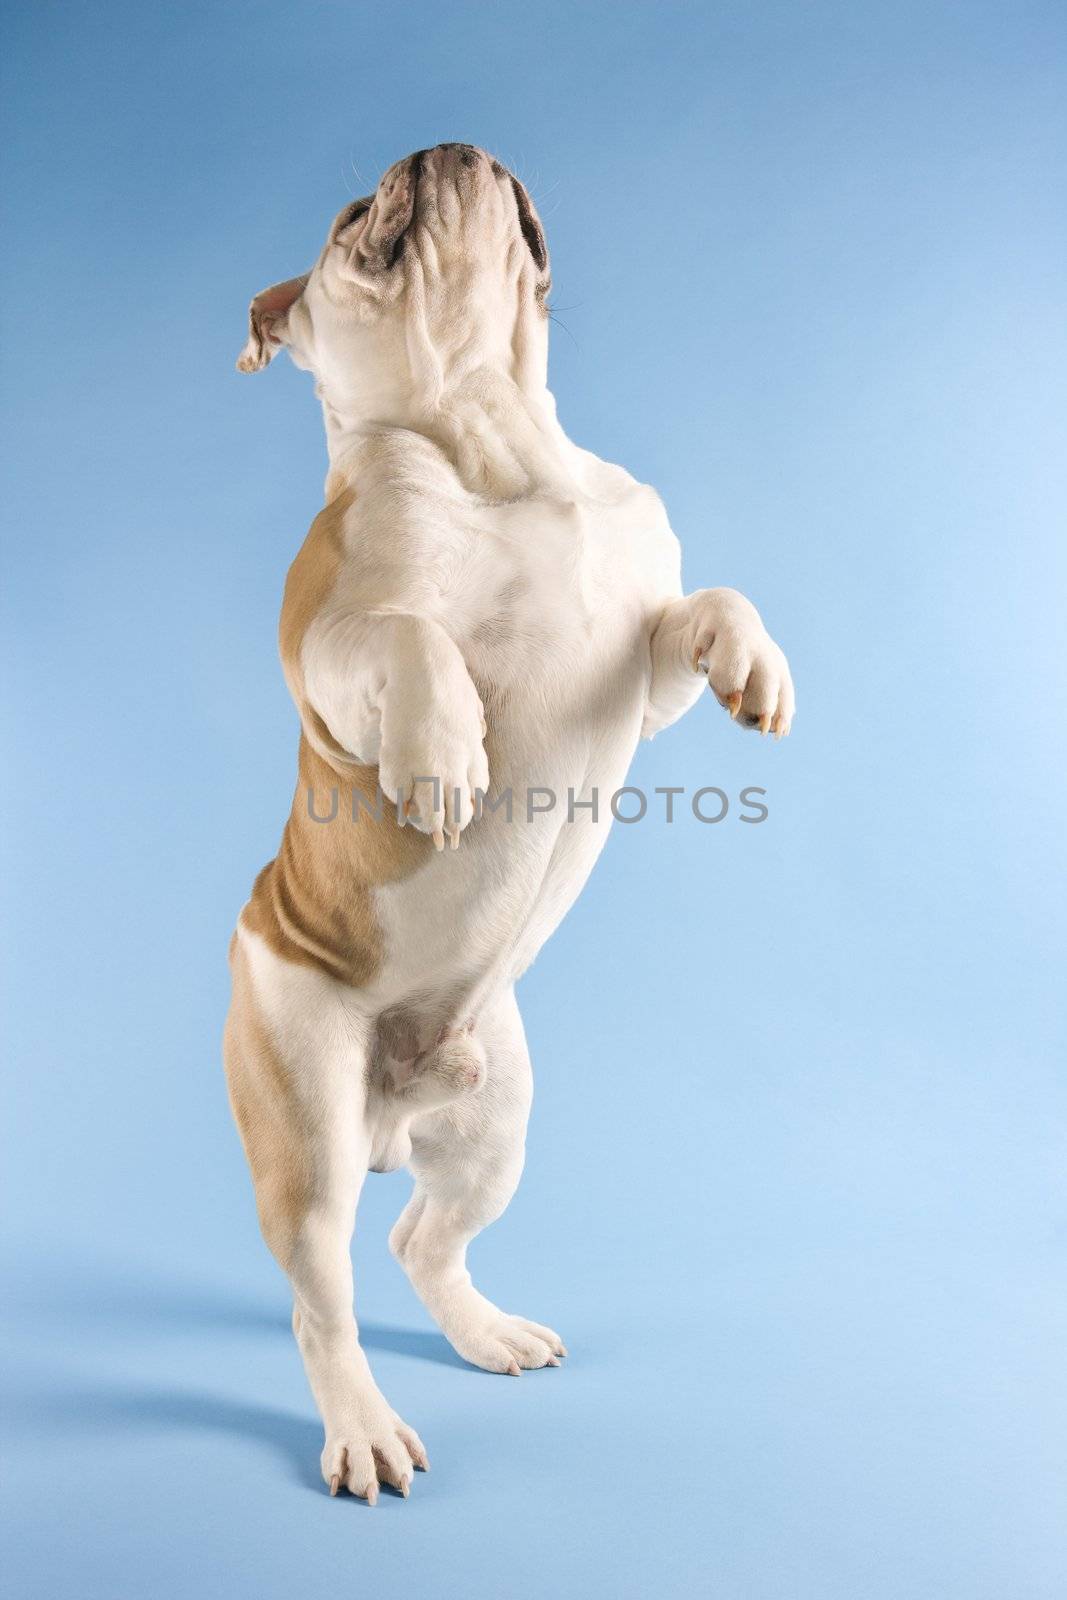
{"points": [[296, 1051], [467, 1160]]}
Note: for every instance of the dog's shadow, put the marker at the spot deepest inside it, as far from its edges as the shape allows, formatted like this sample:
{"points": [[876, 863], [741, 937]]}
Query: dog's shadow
{"points": [[418, 1344], [115, 1409], [159, 1307], [124, 1309]]}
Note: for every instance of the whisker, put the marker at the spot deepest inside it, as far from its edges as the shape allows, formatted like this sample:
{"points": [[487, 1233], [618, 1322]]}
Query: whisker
{"points": [[540, 198], [553, 318]]}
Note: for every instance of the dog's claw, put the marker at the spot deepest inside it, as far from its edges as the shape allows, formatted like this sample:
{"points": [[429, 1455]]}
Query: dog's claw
{"points": [[514, 1370], [764, 723], [702, 649], [339, 1476], [733, 704]]}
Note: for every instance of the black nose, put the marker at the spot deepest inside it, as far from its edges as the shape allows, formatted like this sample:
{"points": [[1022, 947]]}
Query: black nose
{"points": [[468, 154]]}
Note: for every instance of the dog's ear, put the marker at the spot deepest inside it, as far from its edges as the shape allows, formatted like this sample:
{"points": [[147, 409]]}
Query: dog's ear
{"points": [[530, 223], [267, 318]]}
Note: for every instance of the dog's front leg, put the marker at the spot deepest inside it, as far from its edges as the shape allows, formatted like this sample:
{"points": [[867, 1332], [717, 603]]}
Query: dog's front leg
{"points": [[393, 691], [719, 634]]}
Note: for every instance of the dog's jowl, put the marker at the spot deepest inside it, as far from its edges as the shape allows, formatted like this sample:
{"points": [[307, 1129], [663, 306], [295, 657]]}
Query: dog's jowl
{"points": [[480, 605]]}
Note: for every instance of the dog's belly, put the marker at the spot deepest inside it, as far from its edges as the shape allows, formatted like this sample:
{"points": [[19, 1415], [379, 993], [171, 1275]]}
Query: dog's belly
{"points": [[473, 919]]}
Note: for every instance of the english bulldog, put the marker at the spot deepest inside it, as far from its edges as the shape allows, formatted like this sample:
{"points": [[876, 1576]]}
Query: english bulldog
{"points": [[479, 607]]}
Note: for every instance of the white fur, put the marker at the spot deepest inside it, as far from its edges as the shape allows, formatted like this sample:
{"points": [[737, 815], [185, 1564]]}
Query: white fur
{"points": [[483, 548]]}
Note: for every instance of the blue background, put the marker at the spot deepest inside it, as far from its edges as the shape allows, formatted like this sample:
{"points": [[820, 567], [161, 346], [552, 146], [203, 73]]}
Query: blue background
{"points": [[794, 1194]]}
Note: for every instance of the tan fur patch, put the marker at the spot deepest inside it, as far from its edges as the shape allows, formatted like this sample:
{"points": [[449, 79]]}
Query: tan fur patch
{"points": [[312, 904], [268, 1115], [309, 582]]}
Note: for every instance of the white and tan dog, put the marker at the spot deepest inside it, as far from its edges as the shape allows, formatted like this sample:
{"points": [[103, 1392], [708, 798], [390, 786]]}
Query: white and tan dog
{"points": [[481, 603]]}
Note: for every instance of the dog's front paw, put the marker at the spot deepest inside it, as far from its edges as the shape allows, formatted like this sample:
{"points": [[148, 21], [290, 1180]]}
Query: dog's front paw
{"points": [[433, 764], [746, 670]]}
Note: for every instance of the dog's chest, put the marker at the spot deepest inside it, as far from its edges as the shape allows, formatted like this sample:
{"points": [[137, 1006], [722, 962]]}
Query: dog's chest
{"points": [[557, 594]]}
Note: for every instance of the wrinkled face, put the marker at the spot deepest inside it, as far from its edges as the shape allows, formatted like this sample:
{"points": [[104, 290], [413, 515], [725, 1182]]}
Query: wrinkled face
{"points": [[439, 275]]}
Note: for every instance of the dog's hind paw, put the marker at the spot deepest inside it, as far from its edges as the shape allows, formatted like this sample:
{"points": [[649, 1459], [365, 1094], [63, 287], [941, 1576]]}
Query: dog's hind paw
{"points": [[360, 1459], [503, 1343]]}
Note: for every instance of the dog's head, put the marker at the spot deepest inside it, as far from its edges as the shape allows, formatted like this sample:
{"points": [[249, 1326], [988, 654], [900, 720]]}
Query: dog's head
{"points": [[440, 274]]}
